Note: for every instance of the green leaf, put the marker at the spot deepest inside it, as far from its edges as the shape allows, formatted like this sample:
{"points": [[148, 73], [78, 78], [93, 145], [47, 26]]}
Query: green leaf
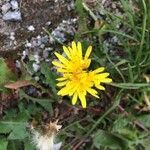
{"points": [[82, 15], [128, 134], [49, 75], [19, 132], [28, 145], [120, 123], [14, 145], [146, 143], [45, 103], [145, 119], [3, 144], [130, 85], [15, 126], [109, 140]]}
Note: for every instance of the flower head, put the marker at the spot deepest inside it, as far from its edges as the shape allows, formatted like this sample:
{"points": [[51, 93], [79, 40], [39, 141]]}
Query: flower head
{"points": [[74, 61], [45, 140], [76, 80]]}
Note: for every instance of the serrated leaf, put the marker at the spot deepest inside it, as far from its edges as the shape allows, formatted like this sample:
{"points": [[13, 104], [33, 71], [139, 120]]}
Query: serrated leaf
{"points": [[3, 144], [120, 123], [45, 103], [18, 133], [145, 119], [109, 140], [128, 133], [15, 126], [49, 75], [146, 143]]}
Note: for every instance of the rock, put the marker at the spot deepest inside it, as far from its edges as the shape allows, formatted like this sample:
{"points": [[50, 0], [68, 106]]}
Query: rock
{"points": [[44, 39], [31, 28], [37, 58], [12, 38], [59, 35], [14, 4], [25, 53], [28, 44], [42, 46], [5, 8], [45, 54], [48, 23], [36, 67], [18, 64], [12, 16]]}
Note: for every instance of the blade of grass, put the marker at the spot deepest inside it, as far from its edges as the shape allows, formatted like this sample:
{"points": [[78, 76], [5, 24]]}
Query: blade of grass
{"points": [[131, 76], [139, 53], [130, 85], [117, 69]]}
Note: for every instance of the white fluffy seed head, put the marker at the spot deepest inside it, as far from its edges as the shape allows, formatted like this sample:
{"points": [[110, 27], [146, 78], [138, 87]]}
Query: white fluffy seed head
{"points": [[45, 140]]}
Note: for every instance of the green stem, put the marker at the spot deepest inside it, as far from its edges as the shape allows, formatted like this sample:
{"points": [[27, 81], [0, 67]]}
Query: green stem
{"points": [[115, 104], [138, 57]]}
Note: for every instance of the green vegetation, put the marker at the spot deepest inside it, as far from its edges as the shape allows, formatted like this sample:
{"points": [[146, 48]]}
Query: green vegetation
{"points": [[120, 119]]}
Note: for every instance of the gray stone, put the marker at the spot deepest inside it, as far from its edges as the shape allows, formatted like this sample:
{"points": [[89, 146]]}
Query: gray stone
{"points": [[5, 8], [12, 16], [14, 4], [31, 28], [36, 67]]}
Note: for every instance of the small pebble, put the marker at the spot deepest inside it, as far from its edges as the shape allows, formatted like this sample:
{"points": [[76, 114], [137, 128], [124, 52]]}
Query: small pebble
{"points": [[31, 28], [36, 78], [5, 8], [28, 44], [42, 46], [45, 54], [113, 5], [44, 39], [12, 38], [48, 23], [18, 64], [37, 58], [24, 54], [14, 4], [36, 67]]}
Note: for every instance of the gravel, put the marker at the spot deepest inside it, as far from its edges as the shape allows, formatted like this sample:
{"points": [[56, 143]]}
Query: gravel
{"points": [[10, 11], [31, 28]]}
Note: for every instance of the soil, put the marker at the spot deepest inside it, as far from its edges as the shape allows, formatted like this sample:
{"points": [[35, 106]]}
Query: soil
{"points": [[36, 13]]}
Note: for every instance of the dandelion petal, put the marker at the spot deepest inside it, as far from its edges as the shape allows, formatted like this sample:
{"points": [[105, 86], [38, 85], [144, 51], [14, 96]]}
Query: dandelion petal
{"points": [[74, 99], [83, 100], [66, 51], [88, 52]]}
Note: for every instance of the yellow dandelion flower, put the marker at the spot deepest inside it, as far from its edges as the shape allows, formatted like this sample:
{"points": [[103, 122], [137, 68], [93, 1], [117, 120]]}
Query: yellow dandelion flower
{"points": [[75, 62], [77, 85], [76, 82]]}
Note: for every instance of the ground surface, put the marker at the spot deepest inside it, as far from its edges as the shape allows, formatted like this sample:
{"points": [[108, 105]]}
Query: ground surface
{"points": [[118, 31], [35, 13]]}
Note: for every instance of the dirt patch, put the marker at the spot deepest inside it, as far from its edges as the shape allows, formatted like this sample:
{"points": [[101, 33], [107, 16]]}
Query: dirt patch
{"points": [[35, 13]]}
